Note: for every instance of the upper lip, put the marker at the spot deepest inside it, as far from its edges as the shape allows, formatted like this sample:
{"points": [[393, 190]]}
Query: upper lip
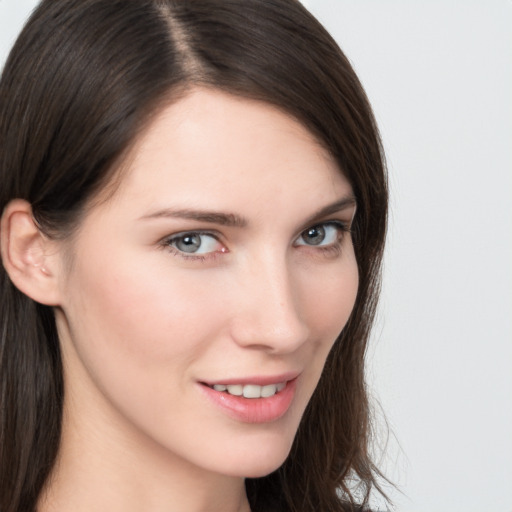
{"points": [[259, 380]]}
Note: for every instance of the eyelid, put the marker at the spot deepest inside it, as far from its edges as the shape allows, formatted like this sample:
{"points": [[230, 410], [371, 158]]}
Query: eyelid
{"points": [[179, 234], [344, 226]]}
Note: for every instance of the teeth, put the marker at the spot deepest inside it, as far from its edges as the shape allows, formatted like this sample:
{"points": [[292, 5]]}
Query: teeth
{"points": [[236, 389], [269, 390], [251, 390]]}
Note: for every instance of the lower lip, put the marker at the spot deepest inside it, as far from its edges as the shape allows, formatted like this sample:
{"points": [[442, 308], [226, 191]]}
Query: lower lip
{"points": [[253, 410]]}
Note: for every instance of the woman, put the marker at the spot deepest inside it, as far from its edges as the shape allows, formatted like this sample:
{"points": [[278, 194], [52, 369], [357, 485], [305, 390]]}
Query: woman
{"points": [[194, 210]]}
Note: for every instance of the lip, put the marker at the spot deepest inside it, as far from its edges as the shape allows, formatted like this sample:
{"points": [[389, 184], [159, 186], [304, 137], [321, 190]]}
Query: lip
{"points": [[253, 410], [259, 380]]}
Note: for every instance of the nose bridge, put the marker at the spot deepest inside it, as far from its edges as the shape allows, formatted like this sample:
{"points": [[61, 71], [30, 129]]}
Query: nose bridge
{"points": [[269, 313]]}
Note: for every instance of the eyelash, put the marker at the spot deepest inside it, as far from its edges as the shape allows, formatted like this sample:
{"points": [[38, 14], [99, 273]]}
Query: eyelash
{"points": [[333, 249]]}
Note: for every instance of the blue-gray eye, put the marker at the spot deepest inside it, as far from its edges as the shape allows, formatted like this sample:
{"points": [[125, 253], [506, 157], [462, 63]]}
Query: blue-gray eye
{"points": [[319, 235], [195, 243]]}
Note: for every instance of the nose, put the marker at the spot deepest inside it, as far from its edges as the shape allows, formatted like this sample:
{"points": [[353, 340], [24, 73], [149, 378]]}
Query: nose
{"points": [[268, 307]]}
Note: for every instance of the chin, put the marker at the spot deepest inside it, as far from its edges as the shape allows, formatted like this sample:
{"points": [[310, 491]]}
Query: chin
{"points": [[256, 458], [257, 468], [261, 468]]}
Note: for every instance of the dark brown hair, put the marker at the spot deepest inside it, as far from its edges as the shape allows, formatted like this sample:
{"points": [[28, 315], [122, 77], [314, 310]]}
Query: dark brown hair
{"points": [[78, 86]]}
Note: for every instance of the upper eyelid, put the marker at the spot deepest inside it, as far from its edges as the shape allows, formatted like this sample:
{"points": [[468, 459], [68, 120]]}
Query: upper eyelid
{"points": [[343, 224], [179, 234]]}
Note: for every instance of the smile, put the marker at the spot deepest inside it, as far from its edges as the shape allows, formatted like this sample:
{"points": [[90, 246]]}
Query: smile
{"points": [[248, 402], [250, 390]]}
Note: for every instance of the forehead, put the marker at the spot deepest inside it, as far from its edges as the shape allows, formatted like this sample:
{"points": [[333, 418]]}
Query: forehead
{"points": [[227, 148]]}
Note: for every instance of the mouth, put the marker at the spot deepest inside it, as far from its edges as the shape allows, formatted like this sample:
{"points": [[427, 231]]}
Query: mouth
{"points": [[255, 400], [249, 390]]}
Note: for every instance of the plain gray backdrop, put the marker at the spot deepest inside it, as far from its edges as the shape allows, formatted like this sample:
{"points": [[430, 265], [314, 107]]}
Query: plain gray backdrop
{"points": [[439, 75]]}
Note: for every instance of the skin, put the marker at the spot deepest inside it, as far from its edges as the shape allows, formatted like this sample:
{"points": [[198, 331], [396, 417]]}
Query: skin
{"points": [[142, 324]]}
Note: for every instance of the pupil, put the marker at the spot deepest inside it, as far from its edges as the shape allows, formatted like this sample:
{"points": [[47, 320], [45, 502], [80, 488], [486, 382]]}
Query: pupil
{"points": [[189, 243], [315, 235]]}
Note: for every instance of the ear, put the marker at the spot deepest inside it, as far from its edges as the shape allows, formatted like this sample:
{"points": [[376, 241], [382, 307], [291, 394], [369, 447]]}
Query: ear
{"points": [[29, 257]]}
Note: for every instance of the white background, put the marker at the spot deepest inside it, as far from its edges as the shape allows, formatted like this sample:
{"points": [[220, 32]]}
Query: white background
{"points": [[439, 75]]}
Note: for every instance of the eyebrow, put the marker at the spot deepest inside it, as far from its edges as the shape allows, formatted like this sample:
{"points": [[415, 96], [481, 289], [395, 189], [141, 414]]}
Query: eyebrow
{"points": [[236, 221], [211, 217]]}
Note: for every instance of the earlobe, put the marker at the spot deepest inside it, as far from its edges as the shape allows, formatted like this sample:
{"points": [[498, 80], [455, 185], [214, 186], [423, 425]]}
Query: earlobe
{"points": [[26, 254]]}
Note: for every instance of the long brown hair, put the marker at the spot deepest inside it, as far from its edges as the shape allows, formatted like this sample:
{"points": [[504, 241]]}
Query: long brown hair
{"points": [[80, 82]]}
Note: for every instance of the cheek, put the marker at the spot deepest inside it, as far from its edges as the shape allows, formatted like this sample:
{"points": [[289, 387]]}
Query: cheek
{"points": [[135, 336], [328, 311], [131, 328], [139, 308], [329, 300]]}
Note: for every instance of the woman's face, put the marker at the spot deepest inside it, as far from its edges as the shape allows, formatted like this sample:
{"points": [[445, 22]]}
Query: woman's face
{"points": [[221, 265]]}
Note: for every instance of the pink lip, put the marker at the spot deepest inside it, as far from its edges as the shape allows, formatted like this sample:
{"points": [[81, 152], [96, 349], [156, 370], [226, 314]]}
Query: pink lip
{"points": [[253, 410], [259, 380]]}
